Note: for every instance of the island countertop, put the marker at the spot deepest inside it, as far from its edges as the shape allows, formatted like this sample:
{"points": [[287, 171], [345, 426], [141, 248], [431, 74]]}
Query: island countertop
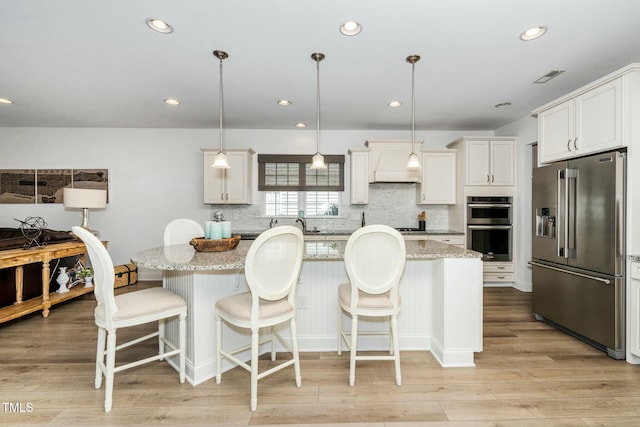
{"points": [[185, 258]]}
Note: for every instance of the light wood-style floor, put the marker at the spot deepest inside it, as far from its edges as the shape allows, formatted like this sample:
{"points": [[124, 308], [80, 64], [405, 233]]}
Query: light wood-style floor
{"points": [[529, 374]]}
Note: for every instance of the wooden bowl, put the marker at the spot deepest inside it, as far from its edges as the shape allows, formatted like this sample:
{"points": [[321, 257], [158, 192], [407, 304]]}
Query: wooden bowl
{"points": [[215, 245]]}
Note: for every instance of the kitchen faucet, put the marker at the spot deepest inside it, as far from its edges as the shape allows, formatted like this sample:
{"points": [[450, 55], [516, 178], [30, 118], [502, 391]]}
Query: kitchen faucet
{"points": [[302, 221]]}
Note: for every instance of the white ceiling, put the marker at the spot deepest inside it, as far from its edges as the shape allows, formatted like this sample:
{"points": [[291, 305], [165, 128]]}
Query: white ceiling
{"points": [[81, 63]]}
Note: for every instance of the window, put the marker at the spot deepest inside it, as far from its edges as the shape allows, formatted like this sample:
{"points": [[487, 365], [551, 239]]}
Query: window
{"points": [[291, 186], [312, 203]]}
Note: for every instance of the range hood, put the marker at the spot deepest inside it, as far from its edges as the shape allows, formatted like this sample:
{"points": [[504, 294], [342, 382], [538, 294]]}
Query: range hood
{"points": [[388, 161]]}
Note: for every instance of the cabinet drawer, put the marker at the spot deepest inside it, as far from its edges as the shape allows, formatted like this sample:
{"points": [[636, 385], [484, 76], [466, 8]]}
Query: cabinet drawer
{"points": [[450, 240], [635, 270], [498, 277], [498, 267]]}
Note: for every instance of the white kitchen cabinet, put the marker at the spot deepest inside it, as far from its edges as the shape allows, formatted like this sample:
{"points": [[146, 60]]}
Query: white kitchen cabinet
{"points": [[633, 325], [587, 123], [438, 178], [359, 177], [229, 186], [488, 161], [498, 272], [450, 239]]}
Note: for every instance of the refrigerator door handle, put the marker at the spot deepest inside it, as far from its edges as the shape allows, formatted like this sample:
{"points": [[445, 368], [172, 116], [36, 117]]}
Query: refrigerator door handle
{"points": [[562, 237], [599, 279], [571, 199]]}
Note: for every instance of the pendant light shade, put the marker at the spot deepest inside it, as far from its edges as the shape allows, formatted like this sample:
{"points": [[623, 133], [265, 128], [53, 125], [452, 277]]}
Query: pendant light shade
{"points": [[220, 161], [413, 162], [318, 159]]}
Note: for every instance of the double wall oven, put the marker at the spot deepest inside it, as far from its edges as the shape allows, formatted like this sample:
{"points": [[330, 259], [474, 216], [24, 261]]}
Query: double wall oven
{"points": [[490, 226]]}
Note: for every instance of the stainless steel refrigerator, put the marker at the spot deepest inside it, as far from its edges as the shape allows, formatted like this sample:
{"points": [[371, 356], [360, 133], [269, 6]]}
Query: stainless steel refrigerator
{"points": [[578, 248]]}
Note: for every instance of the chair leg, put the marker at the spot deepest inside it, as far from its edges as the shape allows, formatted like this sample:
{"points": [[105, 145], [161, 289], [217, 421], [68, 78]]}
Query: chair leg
{"points": [[339, 330], [296, 355], [255, 344], [352, 352], [218, 348], [110, 366], [396, 348], [391, 346], [273, 344], [160, 336], [102, 336], [183, 346]]}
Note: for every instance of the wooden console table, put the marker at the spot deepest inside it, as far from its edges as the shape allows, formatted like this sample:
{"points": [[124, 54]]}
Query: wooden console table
{"points": [[19, 257]]}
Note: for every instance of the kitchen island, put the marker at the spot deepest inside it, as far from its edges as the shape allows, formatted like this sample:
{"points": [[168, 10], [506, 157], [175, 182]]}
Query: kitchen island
{"points": [[440, 290]]}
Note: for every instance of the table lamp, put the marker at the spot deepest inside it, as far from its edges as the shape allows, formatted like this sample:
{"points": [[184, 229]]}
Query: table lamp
{"points": [[85, 199]]}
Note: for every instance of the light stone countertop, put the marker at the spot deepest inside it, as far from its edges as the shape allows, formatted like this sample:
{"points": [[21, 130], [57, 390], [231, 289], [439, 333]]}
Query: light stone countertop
{"points": [[185, 258], [252, 234]]}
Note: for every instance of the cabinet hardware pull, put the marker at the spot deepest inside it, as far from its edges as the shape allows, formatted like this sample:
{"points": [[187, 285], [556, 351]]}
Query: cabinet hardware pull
{"points": [[221, 196], [488, 179], [500, 268], [493, 178], [569, 145], [575, 143]]}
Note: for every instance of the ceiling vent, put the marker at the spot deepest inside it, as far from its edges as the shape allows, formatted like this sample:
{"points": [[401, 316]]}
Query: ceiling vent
{"points": [[550, 75]]}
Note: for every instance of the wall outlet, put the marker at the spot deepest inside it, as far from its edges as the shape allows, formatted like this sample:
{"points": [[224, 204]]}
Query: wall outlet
{"points": [[302, 302]]}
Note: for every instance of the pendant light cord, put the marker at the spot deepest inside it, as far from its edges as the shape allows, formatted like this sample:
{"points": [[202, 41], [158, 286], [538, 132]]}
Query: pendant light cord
{"points": [[318, 105], [413, 105], [221, 102]]}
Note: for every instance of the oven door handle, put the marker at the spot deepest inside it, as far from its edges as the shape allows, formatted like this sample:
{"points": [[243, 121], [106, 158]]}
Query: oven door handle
{"points": [[489, 227], [489, 205]]}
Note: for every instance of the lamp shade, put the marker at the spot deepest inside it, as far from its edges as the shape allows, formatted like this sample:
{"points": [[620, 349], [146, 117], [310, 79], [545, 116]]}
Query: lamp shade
{"points": [[84, 198]]}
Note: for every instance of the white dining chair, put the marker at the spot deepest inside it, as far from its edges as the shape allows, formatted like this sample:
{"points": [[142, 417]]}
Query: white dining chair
{"points": [[127, 310], [272, 269], [180, 231], [374, 258]]}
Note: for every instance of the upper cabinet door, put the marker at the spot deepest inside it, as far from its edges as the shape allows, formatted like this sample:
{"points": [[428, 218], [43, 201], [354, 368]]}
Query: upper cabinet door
{"points": [[502, 162], [359, 177], [599, 118], [438, 181], [477, 163], [556, 132], [239, 177]]}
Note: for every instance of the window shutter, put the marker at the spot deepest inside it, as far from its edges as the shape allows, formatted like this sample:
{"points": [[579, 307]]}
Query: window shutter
{"points": [[292, 172]]}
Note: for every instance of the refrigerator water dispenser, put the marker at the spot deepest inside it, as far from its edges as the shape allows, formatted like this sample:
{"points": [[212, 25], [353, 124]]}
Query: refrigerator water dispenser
{"points": [[545, 222]]}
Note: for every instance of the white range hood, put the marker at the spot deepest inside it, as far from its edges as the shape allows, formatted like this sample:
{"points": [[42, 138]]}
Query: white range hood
{"points": [[388, 161]]}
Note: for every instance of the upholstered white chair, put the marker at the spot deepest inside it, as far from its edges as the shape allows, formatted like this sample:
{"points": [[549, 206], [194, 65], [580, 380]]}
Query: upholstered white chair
{"points": [[181, 231], [126, 310], [272, 269], [374, 258]]}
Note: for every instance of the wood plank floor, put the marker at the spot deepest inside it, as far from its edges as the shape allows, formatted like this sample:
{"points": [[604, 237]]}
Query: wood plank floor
{"points": [[529, 374]]}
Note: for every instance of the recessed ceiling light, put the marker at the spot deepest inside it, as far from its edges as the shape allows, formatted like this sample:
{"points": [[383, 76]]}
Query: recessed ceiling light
{"points": [[301, 125], [5, 101], [503, 105], [550, 75], [172, 101], [350, 28], [284, 102], [533, 33], [159, 25], [394, 104]]}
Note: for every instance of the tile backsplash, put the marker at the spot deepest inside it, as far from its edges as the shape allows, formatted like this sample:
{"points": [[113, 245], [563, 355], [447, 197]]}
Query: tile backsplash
{"points": [[391, 204]]}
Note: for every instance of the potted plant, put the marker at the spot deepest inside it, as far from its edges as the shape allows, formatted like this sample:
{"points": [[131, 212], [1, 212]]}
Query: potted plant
{"points": [[86, 274]]}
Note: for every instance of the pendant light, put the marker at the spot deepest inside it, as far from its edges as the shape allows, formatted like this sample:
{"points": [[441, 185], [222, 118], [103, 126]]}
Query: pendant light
{"points": [[414, 161], [220, 161], [318, 159]]}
